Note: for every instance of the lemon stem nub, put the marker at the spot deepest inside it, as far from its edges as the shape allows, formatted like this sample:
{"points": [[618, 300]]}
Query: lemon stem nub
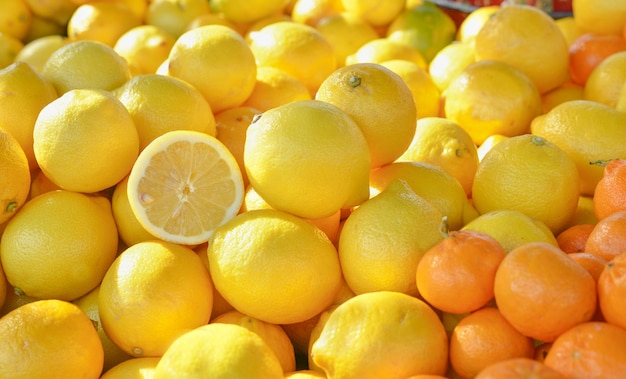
{"points": [[444, 228], [601, 162], [538, 140], [18, 291], [11, 207], [354, 81]]}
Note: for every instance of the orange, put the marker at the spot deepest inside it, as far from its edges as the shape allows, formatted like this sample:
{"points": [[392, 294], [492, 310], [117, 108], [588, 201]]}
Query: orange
{"points": [[574, 238], [483, 338], [519, 368], [612, 291], [608, 237], [457, 274], [592, 350], [550, 286], [593, 263], [588, 50], [610, 193]]}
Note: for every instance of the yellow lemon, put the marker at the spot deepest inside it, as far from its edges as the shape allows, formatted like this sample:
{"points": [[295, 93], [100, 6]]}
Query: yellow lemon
{"points": [[298, 49], [382, 241], [85, 141], [129, 228], [602, 18], [39, 250], [566, 92], [488, 143], [101, 21], [219, 351], [346, 33], [85, 64], [166, 294], [428, 181], [471, 25], [218, 62], [376, 13], [59, 11], [42, 27], [9, 48], [275, 87], [49, 338], [40, 183], [492, 97], [380, 103], [113, 355], [605, 83], [173, 16], [585, 211], [14, 176], [528, 39], [311, 12], [16, 18], [426, 27], [380, 50], [212, 19], [512, 228], [159, 104], [568, 125], [308, 158], [305, 374], [444, 143], [450, 62], [133, 368], [247, 30], [530, 174], [380, 334], [37, 51], [144, 47], [183, 185], [273, 335], [242, 11], [4, 286], [425, 93], [569, 28], [262, 260]]}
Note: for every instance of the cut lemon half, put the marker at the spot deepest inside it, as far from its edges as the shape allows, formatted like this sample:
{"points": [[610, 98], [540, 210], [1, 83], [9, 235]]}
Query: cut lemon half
{"points": [[183, 185]]}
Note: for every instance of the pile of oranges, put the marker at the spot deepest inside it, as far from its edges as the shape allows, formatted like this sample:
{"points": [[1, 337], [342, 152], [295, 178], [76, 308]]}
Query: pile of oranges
{"points": [[311, 189]]}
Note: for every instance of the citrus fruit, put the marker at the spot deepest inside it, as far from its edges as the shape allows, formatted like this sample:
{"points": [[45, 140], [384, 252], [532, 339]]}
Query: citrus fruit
{"points": [[242, 11], [610, 192], [471, 25], [605, 82], [311, 12], [568, 126], [304, 374], [380, 334], [275, 87], [129, 228], [380, 103], [607, 238], [309, 148], [491, 97], [374, 12], [159, 285], [380, 50], [219, 350], [449, 62], [133, 368], [9, 48], [144, 47], [217, 61], [103, 21], [569, 28], [528, 39], [541, 181], [566, 92], [605, 18], [37, 51], [611, 290], [574, 238], [519, 368], [456, 275], [588, 50], [183, 185], [382, 241], [594, 264], [49, 338], [550, 285], [59, 11], [85, 141], [16, 18], [261, 260], [160, 103], [174, 16], [39, 250], [346, 33], [15, 177], [85, 65]]}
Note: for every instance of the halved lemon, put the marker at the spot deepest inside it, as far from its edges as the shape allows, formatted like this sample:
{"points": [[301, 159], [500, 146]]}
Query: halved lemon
{"points": [[183, 185]]}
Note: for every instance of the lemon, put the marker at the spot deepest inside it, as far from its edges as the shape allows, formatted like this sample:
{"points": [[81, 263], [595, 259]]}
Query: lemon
{"points": [[375, 13], [311, 12], [242, 11], [382, 241], [567, 92], [144, 47], [173, 16], [129, 228], [492, 97], [380, 50], [16, 18], [569, 126], [380, 103], [273, 335], [101, 21], [605, 83], [444, 143], [450, 62], [426, 27], [49, 338], [346, 33], [213, 19], [488, 143], [511, 228], [305, 374], [297, 49], [59, 11], [14, 176], [381, 335], [528, 39], [601, 18], [37, 51], [183, 185], [88, 303], [40, 183], [85, 140], [307, 158], [585, 212], [428, 181], [133, 368], [3, 285], [262, 260], [425, 93], [569, 27], [159, 104], [474, 21], [218, 62], [530, 174], [9, 48], [39, 250], [145, 304], [275, 87], [219, 351]]}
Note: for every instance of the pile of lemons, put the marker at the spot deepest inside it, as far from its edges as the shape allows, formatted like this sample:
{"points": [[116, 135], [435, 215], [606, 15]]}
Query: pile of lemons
{"points": [[245, 189]]}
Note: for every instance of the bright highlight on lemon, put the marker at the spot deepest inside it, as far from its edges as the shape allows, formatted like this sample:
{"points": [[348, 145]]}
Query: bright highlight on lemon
{"points": [[183, 185]]}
